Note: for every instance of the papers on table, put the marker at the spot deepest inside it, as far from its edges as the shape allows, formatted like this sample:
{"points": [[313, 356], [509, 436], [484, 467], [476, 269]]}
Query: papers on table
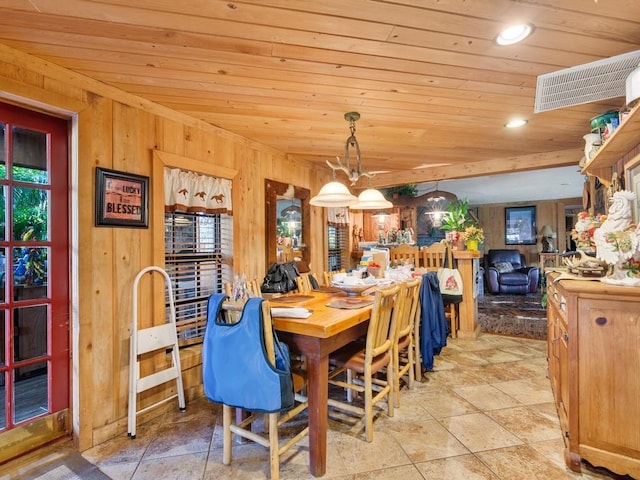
{"points": [[290, 312]]}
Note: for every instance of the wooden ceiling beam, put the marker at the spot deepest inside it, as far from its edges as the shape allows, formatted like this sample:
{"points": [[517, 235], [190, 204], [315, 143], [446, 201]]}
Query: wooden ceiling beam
{"points": [[480, 169]]}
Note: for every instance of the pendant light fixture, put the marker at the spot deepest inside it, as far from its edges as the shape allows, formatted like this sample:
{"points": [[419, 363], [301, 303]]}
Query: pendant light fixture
{"points": [[371, 199], [381, 217], [436, 203], [335, 194]]}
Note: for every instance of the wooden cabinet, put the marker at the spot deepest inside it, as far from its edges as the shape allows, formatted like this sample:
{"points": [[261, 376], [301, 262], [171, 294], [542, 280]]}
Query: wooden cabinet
{"points": [[594, 360], [558, 353]]}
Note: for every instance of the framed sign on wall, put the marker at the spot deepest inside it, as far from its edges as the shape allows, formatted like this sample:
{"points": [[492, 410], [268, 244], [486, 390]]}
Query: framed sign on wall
{"points": [[122, 199], [520, 225]]}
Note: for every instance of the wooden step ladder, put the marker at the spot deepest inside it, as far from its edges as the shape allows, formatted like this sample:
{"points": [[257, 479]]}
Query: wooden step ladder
{"points": [[158, 338]]}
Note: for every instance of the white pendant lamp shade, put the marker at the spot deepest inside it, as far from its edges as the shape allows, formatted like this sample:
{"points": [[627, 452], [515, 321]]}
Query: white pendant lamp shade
{"points": [[371, 199], [333, 194]]}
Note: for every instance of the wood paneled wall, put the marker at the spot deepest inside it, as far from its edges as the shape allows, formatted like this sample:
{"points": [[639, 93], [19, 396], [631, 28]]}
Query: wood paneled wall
{"points": [[119, 131]]}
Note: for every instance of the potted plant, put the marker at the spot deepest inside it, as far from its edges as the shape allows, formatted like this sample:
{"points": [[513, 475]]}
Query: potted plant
{"points": [[408, 190], [455, 220], [457, 216]]}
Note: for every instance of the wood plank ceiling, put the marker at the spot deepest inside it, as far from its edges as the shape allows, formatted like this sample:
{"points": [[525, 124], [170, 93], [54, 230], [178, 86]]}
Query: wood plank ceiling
{"points": [[432, 87]]}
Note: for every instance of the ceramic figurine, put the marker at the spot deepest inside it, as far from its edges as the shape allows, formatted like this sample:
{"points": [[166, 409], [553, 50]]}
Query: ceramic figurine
{"points": [[618, 241]]}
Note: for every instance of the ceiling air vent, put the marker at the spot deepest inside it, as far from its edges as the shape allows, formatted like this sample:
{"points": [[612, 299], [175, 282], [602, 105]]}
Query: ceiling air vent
{"points": [[586, 83]]}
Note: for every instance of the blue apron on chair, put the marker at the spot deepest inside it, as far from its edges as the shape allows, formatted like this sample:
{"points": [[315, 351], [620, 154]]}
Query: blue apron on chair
{"points": [[235, 367]]}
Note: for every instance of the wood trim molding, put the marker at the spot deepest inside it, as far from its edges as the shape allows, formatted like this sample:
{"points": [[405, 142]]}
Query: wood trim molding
{"points": [[273, 188], [160, 161], [205, 168]]}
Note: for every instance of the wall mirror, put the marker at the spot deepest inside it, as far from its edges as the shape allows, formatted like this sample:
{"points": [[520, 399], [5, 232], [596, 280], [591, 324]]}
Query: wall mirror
{"points": [[287, 222]]}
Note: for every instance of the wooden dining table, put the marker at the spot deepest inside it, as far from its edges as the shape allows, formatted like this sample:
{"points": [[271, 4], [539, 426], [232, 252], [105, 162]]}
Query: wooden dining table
{"points": [[326, 330]]}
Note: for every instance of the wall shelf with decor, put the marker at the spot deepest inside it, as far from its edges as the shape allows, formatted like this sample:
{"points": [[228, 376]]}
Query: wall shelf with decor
{"points": [[621, 142]]}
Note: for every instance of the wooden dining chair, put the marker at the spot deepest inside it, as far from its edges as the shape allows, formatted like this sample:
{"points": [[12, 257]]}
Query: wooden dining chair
{"points": [[404, 254], [434, 257], [328, 276], [304, 283], [404, 342], [286, 253], [241, 425], [376, 357], [253, 287]]}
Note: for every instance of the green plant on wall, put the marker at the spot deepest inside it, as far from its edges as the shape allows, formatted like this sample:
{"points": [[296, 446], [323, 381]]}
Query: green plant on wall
{"points": [[407, 190]]}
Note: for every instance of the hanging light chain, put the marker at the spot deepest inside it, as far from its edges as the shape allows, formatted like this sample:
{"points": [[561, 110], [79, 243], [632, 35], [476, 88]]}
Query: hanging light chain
{"points": [[353, 174]]}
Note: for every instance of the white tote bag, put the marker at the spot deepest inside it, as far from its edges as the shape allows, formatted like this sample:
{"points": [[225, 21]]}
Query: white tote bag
{"points": [[450, 282]]}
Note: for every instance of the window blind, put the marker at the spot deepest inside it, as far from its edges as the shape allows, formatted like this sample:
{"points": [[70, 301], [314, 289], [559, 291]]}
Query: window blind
{"points": [[338, 246], [198, 249]]}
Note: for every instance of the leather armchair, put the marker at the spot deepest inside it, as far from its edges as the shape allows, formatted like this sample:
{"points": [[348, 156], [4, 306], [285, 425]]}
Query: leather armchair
{"points": [[506, 272]]}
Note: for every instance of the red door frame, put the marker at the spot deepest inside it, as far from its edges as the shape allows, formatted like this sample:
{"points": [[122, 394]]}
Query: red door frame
{"points": [[58, 348]]}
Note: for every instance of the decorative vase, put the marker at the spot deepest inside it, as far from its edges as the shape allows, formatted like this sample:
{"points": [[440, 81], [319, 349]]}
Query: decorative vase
{"points": [[455, 239], [472, 245], [592, 143]]}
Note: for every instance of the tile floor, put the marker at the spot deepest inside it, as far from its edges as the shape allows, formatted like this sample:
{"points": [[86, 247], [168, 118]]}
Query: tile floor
{"points": [[485, 412]]}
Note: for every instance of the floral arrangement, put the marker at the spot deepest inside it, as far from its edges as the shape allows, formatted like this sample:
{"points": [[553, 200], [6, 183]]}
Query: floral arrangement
{"points": [[474, 233], [583, 230]]}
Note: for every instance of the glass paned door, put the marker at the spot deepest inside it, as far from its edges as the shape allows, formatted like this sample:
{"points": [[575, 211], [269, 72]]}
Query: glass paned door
{"points": [[34, 267]]}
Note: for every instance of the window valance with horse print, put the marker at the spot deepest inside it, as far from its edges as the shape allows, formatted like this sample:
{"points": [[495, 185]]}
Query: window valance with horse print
{"points": [[191, 192]]}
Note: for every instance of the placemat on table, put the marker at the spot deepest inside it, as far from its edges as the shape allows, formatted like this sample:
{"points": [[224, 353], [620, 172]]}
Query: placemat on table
{"points": [[328, 289], [350, 303]]}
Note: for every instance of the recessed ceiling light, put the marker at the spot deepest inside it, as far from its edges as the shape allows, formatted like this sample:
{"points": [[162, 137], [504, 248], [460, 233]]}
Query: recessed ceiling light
{"points": [[514, 34], [516, 123]]}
